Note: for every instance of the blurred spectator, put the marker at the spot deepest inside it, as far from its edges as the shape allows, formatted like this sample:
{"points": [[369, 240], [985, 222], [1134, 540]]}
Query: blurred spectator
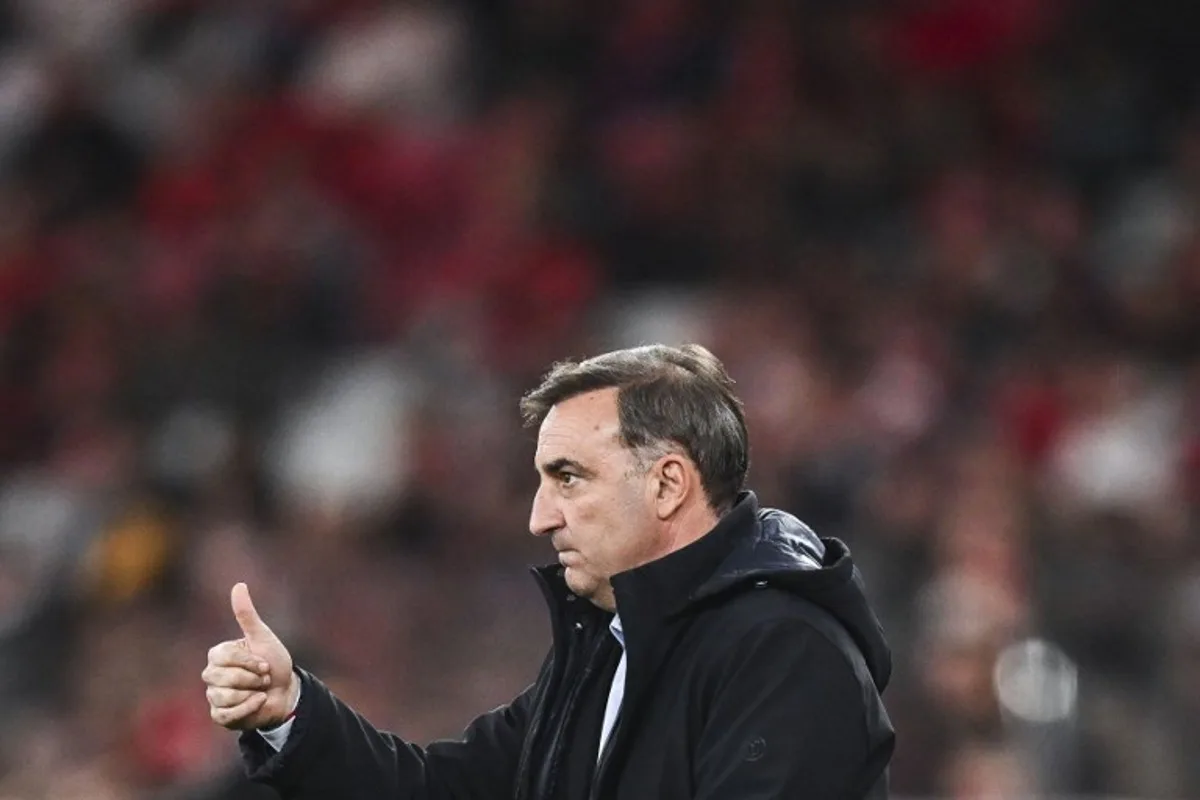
{"points": [[272, 276]]}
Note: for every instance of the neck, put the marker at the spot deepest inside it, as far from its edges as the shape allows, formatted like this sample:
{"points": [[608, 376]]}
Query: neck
{"points": [[689, 524]]}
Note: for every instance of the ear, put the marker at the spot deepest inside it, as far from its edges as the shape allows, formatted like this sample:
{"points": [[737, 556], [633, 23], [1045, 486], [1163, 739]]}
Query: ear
{"points": [[675, 480]]}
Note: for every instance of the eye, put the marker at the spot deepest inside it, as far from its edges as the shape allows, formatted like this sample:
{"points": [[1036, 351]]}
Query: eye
{"points": [[567, 479]]}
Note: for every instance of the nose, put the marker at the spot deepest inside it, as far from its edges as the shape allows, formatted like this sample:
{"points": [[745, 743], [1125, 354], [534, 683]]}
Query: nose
{"points": [[545, 517]]}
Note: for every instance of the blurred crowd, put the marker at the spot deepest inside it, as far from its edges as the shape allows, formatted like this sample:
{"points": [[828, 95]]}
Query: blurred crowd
{"points": [[274, 273]]}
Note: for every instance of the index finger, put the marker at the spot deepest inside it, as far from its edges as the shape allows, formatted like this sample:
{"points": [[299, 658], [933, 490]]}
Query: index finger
{"points": [[235, 654]]}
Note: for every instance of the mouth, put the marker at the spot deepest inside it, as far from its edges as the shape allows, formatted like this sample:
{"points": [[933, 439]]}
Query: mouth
{"points": [[568, 557]]}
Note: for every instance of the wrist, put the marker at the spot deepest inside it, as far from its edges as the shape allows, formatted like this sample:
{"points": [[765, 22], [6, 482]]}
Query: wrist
{"points": [[292, 704], [290, 716]]}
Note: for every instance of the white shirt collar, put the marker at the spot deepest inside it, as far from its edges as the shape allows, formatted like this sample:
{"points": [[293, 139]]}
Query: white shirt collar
{"points": [[617, 631]]}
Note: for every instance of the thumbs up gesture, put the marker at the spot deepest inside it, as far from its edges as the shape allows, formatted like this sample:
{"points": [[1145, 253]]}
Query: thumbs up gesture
{"points": [[250, 682]]}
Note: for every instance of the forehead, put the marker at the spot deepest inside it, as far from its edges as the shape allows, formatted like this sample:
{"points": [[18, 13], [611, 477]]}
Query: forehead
{"points": [[582, 423]]}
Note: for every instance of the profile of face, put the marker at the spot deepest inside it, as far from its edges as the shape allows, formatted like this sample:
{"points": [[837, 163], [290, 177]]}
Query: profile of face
{"points": [[604, 510]]}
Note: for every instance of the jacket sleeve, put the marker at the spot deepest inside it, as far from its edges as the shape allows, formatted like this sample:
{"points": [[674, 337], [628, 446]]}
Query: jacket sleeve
{"points": [[334, 752], [789, 718]]}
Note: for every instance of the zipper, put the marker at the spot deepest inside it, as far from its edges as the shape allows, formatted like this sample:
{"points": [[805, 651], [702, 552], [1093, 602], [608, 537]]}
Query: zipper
{"points": [[558, 667], [572, 700]]}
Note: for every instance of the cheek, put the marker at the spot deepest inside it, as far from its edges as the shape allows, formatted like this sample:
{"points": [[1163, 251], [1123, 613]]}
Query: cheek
{"points": [[623, 535], [586, 521], [594, 528]]}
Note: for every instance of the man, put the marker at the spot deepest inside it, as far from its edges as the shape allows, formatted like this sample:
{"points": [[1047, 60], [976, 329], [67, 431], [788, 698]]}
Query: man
{"points": [[702, 647]]}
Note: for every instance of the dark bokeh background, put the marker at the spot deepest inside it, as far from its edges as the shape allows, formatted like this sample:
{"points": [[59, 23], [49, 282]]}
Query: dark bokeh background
{"points": [[274, 273]]}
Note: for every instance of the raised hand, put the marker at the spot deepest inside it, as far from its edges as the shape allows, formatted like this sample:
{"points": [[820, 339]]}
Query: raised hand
{"points": [[250, 682]]}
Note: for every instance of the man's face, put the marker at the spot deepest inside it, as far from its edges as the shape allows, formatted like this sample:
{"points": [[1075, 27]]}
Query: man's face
{"points": [[593, 499]]}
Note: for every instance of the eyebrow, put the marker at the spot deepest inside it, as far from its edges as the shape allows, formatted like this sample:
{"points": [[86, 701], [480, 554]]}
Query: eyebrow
{"points": [[561, 465]]}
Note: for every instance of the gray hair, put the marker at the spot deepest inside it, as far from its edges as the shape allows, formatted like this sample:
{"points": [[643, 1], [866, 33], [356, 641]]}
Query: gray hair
{"points": [[668, 398]]}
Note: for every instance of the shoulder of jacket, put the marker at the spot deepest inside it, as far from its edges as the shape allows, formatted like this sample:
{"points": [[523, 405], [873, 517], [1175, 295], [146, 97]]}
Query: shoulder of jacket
{"points": [[756, 600], [759, 606]]}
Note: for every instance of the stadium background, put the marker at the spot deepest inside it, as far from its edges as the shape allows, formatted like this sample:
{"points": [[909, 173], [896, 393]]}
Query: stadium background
{"points": [[273, 275]]}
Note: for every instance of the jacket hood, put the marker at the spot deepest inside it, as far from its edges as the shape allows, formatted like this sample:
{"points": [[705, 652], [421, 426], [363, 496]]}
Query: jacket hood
{"points": [[781, 550]]}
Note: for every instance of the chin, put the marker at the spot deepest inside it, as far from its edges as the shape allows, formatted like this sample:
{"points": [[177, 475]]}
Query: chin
{"points": [[590, 588], [581, 585]]}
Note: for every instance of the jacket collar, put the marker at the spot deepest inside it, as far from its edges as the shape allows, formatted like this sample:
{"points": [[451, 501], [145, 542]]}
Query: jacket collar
{"points": [[666, 586]]}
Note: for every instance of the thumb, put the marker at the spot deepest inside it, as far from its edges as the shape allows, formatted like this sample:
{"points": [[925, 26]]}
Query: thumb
{"points": [[247, 617]]}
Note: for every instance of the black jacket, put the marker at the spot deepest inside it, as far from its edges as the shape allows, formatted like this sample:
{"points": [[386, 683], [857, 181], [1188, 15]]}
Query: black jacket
{"points": [[754, 670]]}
